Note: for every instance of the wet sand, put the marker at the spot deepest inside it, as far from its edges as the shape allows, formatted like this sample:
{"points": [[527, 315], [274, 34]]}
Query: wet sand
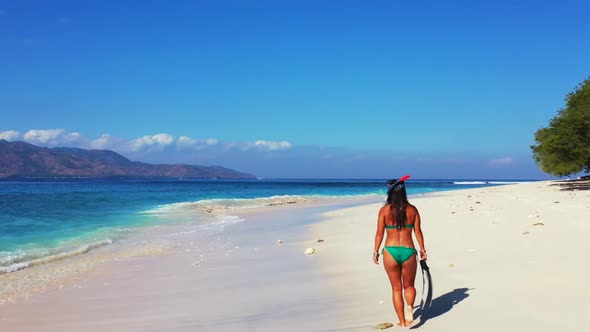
{"points": [[240, 279]]}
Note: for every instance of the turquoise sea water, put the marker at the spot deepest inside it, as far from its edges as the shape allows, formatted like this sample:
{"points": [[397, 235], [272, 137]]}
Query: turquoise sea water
{"points": [[42, 218]]}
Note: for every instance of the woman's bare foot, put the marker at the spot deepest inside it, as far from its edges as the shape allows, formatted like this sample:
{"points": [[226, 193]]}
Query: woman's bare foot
{"points": [[400, 324], [409, 315]]}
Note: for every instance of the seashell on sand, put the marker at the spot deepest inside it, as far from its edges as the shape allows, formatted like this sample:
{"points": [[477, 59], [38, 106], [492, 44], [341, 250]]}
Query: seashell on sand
{"points": [[310, 251]]}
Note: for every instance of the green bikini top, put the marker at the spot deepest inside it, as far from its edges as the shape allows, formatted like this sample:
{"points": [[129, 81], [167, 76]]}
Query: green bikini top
{"points": [[395, 226]]}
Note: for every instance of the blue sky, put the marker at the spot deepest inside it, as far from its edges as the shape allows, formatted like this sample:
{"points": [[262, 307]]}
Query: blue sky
{"points": [[363, 89]]}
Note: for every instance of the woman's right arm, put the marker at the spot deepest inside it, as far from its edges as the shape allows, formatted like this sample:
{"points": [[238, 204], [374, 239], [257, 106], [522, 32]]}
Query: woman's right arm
{"points": [[419, 235], [379, 236]]}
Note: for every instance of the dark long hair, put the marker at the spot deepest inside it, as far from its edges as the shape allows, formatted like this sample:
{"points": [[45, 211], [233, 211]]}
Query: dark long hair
{"points": [[398, 200]]}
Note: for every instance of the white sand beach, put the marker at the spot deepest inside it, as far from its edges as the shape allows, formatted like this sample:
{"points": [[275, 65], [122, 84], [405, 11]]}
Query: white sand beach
{"points": [[507, 257], [502, 258]]}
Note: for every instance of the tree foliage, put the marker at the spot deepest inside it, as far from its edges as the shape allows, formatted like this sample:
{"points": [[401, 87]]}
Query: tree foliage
{"points": [[563, 148]]}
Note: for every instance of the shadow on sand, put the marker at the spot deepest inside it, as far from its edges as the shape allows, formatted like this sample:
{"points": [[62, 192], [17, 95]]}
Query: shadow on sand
{"points": [[441, 305], [571, 185]]}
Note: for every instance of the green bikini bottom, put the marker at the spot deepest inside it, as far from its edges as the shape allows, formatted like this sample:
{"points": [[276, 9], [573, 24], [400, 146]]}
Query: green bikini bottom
{"points": [[400, 254]]}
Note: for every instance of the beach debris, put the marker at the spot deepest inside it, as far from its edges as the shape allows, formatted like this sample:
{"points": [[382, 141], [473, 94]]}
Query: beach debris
{"points": [[320, 240], [197, 263], [538, 224], [452, 212], [525, 233], [468, 196], [311, 251], [451, 265], [477, 202], [281, 203], [556, 202], [383, 326], [280, 242]]}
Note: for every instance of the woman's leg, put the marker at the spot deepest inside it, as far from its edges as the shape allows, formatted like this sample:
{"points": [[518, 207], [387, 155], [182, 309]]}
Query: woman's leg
{"points": [[395, 278], [408, 272]]}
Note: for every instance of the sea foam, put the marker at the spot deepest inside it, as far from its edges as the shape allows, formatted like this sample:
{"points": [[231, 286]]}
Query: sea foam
{"points": [[51, 258]]}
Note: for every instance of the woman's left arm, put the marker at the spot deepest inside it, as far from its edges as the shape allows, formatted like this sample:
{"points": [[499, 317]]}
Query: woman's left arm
{"points": [[379, 236]]}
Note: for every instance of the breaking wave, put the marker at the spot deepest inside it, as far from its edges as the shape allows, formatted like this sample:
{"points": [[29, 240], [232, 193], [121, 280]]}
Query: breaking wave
{"points": [[484, 182], [18, 261]]}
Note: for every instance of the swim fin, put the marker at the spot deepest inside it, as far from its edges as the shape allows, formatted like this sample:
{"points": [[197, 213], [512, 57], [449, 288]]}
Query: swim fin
{"points": [[426, 286]]}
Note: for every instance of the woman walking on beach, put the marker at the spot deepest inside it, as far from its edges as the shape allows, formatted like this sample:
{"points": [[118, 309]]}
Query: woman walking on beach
{"points": [[399, 218]]}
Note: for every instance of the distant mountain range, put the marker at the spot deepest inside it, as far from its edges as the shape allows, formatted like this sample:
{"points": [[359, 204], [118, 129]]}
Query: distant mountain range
{"points": [[20, 159]]}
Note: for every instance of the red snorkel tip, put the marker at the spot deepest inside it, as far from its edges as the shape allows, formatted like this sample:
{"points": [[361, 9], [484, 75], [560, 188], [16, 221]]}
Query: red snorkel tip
{"points": [[404, 178]]}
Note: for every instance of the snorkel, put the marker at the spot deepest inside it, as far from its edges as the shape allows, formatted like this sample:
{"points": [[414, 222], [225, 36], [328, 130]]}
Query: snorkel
{"points": [[391, 184], [398, 200]]}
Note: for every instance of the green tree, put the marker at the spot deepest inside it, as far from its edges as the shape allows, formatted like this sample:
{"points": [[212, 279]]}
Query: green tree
{"points": [[563, 148]]}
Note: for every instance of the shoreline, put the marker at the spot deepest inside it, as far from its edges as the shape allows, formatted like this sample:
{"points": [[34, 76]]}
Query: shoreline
{"points": [[37, 250], [242, 279], [205, 211], [244, 260], [54, 271]]}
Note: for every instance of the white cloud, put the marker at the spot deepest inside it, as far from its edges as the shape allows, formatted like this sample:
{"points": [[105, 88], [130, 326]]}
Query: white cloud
{"points": [[150, 143], [9, 135], [141, 146], [187, 140], [54, 137], [272, 146], [501, 161], [187, 143], [104, 142], [211, 141], [163, 139]]}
